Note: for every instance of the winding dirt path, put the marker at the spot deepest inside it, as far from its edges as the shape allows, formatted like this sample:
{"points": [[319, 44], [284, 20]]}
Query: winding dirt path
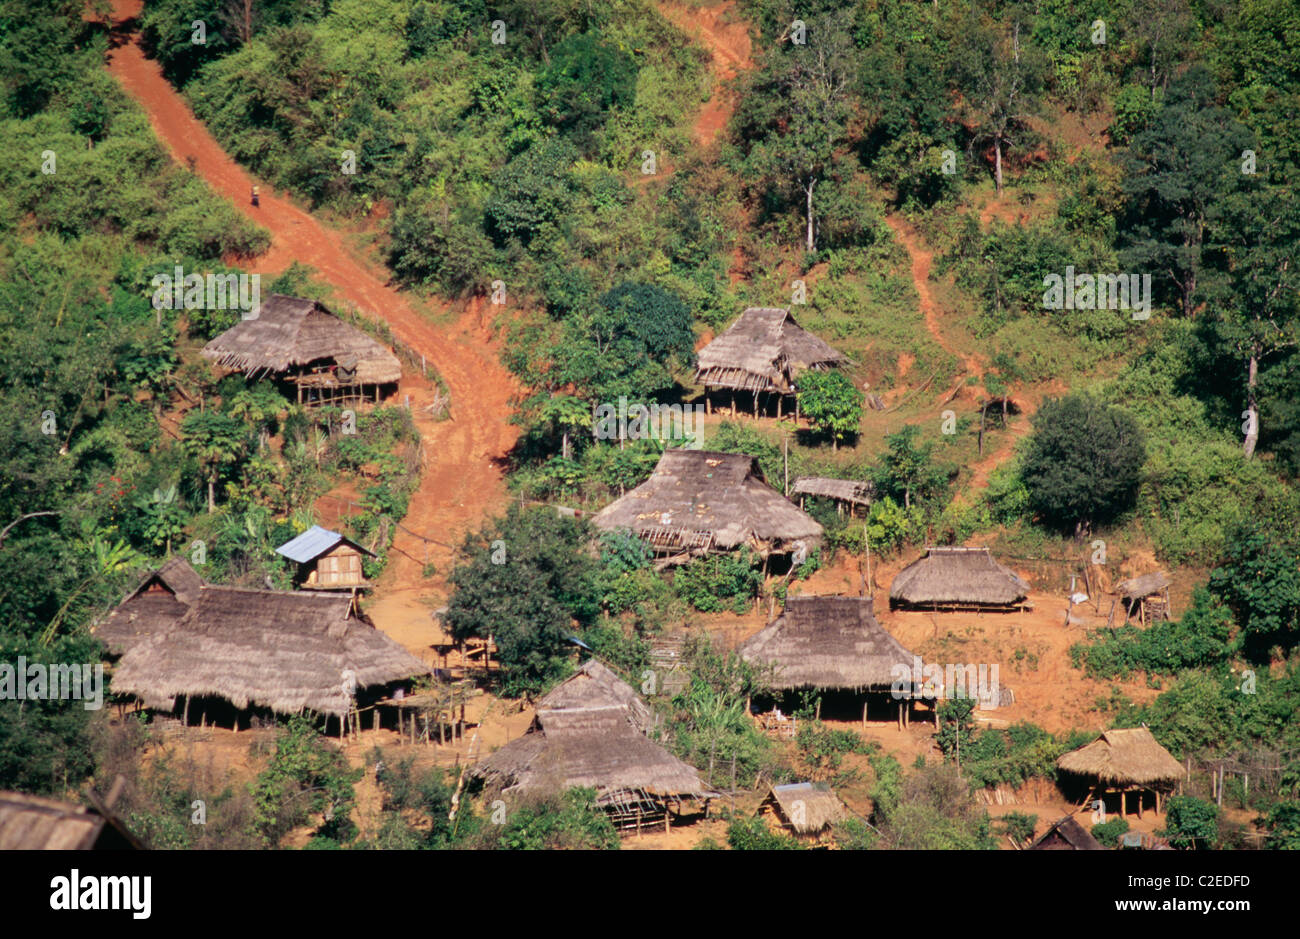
{"points": [[728, 44], [462, 477]]}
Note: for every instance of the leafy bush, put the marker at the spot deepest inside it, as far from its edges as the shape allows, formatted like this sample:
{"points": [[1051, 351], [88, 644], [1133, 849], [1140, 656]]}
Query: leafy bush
{"points": [[1108, 833], [721, 581]]}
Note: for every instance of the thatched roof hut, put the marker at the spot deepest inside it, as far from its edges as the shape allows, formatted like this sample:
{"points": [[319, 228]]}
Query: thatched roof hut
{"points": [[1136, 588], [161, 598], [34, 823], [852, 491], [1148, 594], [281, 650], [699, 502], [303, 342], [957, 578], [1129, 757], [596, 747], [828, 643], [1066, 834], [763, 350], [806, 808], [595, 685]]}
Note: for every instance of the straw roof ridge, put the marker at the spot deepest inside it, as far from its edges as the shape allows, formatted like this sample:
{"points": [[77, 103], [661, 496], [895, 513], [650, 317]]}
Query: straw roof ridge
{"points": [[827, 642], [763, 350], [846, 490], [35, 823], [1142, 586], [145, 612], [957, 575], [594, 684], [702, 499], [1070, 831], [284, 650], [293, 331], [820, 808], [1130, 756], [596, 747]]}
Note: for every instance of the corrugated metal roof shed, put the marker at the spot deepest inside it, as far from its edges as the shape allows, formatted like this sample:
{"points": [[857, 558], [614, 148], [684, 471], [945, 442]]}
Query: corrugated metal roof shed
{"points": [[314, 542]]}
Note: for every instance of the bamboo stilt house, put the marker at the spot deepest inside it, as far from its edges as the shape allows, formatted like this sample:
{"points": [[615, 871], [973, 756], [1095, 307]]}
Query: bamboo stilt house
{"points": [[1124, 761], [303, 344], [34, 823], [326, 560], [1148, 595], [1066, 834], [162, 598], [850, 492], [281, 650], [697, 502], [763, 352], [805, 809], [832, 643], [958, 579]]}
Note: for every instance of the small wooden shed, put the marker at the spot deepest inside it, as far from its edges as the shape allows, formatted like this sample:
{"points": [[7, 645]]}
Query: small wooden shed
{"points": [[326, 560], [35, 823], [1066, 834], [1147, 595]]}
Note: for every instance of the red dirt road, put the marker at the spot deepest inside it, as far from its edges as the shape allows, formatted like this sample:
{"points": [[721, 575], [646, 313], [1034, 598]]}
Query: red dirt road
{"points": [[462, 480], [728, 43]]}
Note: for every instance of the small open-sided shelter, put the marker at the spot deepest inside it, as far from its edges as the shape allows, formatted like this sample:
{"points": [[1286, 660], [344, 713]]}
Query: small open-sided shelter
{"points": [[1066, 834], [805, 809], [162, 597], [1124, 761], [326, 560], [832, 643], [850, 492], [762, 352], [286, 651], [697, 502], [35, 823], [950, 578], [600, 748], [303, 344], [1147, 595]]}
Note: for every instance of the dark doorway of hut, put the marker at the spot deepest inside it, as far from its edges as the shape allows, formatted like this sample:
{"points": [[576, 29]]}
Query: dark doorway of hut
{"points": [[205, 711], [752, 404], [840, 705]]}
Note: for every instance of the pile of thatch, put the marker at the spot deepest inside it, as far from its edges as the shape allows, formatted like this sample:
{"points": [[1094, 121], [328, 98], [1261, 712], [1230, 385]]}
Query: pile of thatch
{"points": [[852, 491], [162, 598], [596, 747], [595, 685], [828, 643], [282, 650], [294, 333], [957, 577], [1137, 588], [33, 823], [1128, 757], [805, 808], [1066, 835], [763, 351], [699, 501]]}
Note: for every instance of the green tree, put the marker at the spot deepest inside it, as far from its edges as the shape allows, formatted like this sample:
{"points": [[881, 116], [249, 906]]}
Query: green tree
{"points": [[907, 469], [525, 580], [215, 440], [1191, 822], [1259, 580], [304, 778], [586, 78], [1083, 463], [831, 402]]}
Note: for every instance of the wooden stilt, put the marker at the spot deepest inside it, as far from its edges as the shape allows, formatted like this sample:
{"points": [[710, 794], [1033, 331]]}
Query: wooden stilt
{"points": [[185, 717], [818, 710]]}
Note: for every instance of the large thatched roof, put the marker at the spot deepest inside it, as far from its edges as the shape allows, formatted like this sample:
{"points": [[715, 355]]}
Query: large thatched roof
{"points": [[807, 807], [1124, 757], [1066, 834], [291, 332], [702, 501], [282, 650], [161, 598], [33, 823], [596, 747], [827, 642], [957, 577], [595, 685], [763, 351]]}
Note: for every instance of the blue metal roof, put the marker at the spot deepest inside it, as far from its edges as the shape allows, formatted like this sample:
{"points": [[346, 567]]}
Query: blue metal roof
{"points": [[311, 544]]}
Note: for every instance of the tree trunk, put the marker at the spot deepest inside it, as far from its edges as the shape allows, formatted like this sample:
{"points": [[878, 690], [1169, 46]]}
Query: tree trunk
{"points": [[997, 165], [564, 445], [1252, 411], [808, 190], [212, 493]]}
